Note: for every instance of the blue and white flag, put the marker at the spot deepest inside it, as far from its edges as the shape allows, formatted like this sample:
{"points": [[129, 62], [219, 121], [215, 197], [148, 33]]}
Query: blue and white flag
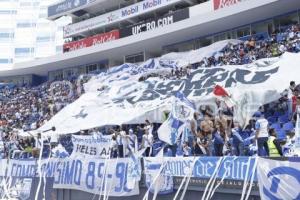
{"points": [[279, 180], [156, 182], [182, 111]]}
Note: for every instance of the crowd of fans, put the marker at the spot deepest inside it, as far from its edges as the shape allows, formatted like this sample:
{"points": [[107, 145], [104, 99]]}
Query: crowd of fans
{"points": [[208, 134], [246, 52], [271, 132], [256, 48], [27, 108]]}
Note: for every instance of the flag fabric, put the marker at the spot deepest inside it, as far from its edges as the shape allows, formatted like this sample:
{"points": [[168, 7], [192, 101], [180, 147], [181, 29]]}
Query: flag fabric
{"points": [[223, 95], [182, 111], [297, 133], [293, 149], [279, 179], [156, 182]]}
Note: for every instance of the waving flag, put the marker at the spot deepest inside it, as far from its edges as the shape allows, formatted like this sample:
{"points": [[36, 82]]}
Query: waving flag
{"points": [[279, 179], [182, 111], [223, 95]]}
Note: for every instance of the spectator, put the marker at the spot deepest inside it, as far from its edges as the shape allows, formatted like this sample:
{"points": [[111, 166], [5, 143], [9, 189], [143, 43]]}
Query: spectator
{"points": [[237, 140], [219, 139], [132, 141], [201, 145], [147, 143], [261, 136], [114, 147], [274, 146], [290, 92], [187, 151]]}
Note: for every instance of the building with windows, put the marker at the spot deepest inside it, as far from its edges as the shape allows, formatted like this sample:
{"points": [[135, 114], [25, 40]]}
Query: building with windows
{"points": [[26, 33], [106, 33]]}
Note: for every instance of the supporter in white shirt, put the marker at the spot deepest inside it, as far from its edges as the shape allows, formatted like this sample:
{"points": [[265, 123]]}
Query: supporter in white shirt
{"points": [[282, 48], [149, 126], [291, 35], [147, 142], [262, 134], [290, 91], [120, 141]]}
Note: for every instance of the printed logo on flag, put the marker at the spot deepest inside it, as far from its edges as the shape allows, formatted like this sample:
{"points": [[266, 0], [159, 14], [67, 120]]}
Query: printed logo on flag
{"points": [[278, 180], [276, 183]]}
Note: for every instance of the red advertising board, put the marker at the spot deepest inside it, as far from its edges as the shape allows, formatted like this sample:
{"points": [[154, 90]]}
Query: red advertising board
{"points": [[91, 41], [224, 3]]}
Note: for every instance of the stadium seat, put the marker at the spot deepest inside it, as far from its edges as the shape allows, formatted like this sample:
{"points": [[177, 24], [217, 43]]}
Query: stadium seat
{"points": [[283, 119], [289, 126], [276, 126], [281, 134], [272, 120], [277, 114]]}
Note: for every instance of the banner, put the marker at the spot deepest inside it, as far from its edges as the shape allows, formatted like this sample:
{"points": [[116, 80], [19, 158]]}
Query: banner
{"points": [[91, 41], [116, 16], [232, 168], [22, 168], [96, 176], [152, 24], [159, 183], [91, 146], [65, 6], [119, 97], [218, 4], [279, 179]]}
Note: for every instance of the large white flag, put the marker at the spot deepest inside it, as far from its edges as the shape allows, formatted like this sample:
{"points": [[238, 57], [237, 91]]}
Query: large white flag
{"points": [[182, 111], [279, 179]]}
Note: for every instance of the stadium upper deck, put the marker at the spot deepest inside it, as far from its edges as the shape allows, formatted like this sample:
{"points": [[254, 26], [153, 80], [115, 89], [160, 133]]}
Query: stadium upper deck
{"points": [[108, 33]]}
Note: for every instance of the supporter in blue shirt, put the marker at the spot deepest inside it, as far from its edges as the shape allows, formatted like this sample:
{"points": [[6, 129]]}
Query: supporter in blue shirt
{"points": [[237, 141], [219, 140]]}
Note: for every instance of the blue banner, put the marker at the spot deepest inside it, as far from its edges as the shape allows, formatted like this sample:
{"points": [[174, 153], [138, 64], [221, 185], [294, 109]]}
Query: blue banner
{"points": [[233, 168]]}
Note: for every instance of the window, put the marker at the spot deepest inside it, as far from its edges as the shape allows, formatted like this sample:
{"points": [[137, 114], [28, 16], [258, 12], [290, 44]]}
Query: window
{"points": [[25, 25], [35, 4], [8, 12], [263, 27], [91, 68], [25, 4], [43, 15], [59, 49], [6, 35], [284, 21], [20, 52], [43, 38], [202, 42], [245, 31], [5, 61], [136, 58]]}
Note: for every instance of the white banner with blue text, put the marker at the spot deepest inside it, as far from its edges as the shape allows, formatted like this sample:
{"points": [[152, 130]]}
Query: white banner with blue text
{"points": [[101, 176], [91, 146]]}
